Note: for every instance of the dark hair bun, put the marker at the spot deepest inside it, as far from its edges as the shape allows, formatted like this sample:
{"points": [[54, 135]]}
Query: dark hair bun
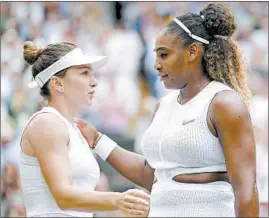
{"points": [[218, 20], [31, 52]]}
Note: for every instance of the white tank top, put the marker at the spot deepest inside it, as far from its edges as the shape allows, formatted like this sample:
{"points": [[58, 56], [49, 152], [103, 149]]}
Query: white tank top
{"points": [[179, 141], [85, 174]]}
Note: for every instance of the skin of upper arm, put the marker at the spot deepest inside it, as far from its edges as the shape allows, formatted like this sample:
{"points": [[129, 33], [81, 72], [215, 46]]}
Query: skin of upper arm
{"points": [[48, 136], [234, 128]]}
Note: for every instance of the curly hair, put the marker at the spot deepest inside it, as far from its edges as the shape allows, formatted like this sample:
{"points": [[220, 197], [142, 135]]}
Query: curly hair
{"points": [[221, 60], [42, 58]]}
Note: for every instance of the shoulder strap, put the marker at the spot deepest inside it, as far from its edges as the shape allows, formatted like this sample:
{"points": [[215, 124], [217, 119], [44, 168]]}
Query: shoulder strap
{"points": [[49, 110]]}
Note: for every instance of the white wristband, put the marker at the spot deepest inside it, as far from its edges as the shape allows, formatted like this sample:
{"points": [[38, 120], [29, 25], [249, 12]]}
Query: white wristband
{"points": [[104, 147]]}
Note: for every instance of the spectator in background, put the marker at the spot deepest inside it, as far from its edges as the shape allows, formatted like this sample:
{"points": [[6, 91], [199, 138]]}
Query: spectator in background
{"points": [[11, 192], [124, 49]]}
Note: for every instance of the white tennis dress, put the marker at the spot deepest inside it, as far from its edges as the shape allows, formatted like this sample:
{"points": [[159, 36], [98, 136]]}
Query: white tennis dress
{"points": [[178, 141], [38, 199]]}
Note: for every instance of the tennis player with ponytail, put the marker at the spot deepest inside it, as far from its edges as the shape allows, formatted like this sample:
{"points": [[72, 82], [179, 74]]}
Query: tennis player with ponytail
{"points": [[200, 145]]}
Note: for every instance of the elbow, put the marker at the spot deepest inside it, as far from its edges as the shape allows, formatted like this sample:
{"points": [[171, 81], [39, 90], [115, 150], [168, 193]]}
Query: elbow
{"points": [[62, 204], [61, 198]]}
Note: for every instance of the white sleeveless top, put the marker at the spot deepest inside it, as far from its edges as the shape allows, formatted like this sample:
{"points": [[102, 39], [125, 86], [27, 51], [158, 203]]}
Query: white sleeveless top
{"points": [[178, 141], [85, 174]]}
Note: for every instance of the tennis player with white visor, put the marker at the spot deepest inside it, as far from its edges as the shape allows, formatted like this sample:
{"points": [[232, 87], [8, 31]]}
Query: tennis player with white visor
{"points": [[58, 171]]}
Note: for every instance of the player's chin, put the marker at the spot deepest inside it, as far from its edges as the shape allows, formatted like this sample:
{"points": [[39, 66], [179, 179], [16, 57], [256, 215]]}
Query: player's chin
{"points": [[169, 85]]}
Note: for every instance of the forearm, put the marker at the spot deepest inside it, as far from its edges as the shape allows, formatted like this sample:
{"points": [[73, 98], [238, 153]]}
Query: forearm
{"points": [[246, 202], [72, 198], [132, 166]]}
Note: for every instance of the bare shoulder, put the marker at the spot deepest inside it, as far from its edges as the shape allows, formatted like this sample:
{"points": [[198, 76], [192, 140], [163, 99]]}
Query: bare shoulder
{"points": [[228, 104], [48, 137], [46, 128], [233, 125], [47, 123]]}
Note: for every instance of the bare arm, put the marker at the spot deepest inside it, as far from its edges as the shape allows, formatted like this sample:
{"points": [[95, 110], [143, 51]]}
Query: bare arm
{"points": [[233, 125], [133, 166], [49, 138], [129, 164]]}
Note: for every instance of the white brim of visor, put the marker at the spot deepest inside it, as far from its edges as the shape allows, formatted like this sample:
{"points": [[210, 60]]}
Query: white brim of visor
{"points": [[74, 58]]}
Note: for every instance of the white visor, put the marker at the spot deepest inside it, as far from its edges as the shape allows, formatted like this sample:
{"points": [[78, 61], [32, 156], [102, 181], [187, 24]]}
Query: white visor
{"points": [[73, 58]]}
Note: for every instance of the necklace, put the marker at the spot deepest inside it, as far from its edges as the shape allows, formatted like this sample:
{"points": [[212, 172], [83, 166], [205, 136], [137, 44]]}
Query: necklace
{"points": [[188, 99]]}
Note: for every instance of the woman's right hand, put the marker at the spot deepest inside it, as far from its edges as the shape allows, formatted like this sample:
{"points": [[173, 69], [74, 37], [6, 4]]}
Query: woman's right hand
{"points": [[133, 202], [88, 131]]}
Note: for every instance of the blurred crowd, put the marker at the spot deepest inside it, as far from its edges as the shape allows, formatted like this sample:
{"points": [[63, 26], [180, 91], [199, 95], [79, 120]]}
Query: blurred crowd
{"points": [[128, 86]]}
